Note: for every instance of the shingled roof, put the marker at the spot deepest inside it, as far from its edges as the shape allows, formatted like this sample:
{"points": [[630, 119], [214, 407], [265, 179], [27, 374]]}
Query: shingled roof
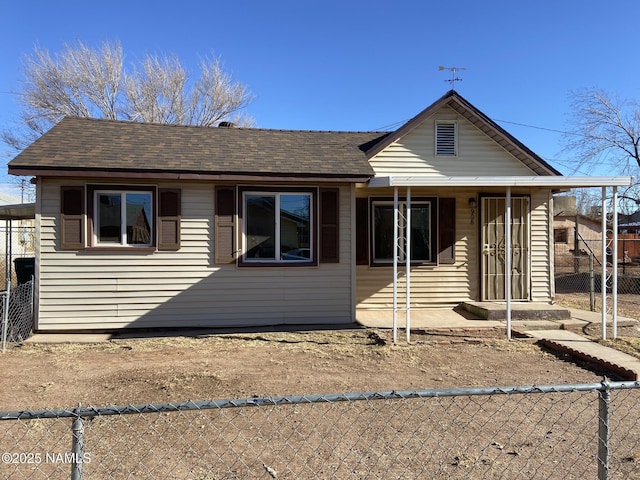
{"points": [[86, 146]]}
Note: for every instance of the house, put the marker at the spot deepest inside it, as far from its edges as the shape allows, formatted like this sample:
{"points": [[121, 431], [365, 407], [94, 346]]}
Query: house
{"points": [[588, 237], [146, 226]]}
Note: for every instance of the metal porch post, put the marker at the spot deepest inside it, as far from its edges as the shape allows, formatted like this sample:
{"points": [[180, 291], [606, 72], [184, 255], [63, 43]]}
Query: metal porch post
{"points": [[407, 250], [614, 286], [603, 277], [395, 264], [507, 276]]}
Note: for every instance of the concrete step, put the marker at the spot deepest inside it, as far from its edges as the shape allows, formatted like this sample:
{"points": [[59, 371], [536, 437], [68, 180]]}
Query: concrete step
{"points": [[519, 311]]}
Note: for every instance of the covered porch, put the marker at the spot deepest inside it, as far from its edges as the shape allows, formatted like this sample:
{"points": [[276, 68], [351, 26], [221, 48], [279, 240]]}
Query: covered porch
{"points": [[511, 311]]}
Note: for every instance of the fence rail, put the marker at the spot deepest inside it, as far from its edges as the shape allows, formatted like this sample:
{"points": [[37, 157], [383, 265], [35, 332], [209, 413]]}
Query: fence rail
{"points": [[559, 431]]}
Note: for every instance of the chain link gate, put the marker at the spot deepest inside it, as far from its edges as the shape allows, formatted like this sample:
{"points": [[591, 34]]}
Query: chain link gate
{"points": [[17, 250], [17, 313]]}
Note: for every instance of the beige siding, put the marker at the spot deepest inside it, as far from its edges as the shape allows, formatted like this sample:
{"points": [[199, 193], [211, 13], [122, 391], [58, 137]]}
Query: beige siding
{"points": [[540, 247], [104, 290], [431, 286], [414, 154], [446, 285]]}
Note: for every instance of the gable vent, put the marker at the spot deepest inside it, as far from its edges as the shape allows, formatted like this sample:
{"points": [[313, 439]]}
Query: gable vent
{"points": [[446, 139]]}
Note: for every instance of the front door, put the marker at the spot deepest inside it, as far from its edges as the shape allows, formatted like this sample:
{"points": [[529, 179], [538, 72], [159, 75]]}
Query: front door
{"points": [[493, 269]]}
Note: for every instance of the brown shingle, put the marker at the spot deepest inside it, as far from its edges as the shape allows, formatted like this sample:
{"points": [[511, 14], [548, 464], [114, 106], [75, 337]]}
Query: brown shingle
{"points": [[106, 145]]}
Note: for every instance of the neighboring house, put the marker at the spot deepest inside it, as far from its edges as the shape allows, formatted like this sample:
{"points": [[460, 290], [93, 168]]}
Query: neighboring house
{"points": [[629, 224], [589, 239], [260, 227]]}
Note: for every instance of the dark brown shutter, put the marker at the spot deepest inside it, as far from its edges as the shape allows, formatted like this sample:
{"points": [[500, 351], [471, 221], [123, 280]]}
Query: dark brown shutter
{"points": [[224, 233], [329, 218], [169, 211], [72, 218], [446, 230], [362, 231]]}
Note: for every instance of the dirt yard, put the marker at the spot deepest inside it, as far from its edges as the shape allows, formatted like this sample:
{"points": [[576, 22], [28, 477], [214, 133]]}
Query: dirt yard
{"points": [[178, 369], [533, 436]]}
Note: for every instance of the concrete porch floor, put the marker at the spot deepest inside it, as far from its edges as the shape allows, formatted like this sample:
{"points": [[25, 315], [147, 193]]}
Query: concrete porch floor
{"points": [[538, 318], [424, 320]]}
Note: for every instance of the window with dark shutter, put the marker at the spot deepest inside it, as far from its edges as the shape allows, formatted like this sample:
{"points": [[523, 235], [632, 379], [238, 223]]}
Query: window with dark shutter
{"points": [[329, 226], [224, 225], [362, 231], [446, 139], [169, 211], [446, 230], [72, 227]]}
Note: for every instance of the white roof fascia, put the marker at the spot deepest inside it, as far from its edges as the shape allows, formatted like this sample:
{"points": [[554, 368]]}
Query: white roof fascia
{"points": [[507, 181]]}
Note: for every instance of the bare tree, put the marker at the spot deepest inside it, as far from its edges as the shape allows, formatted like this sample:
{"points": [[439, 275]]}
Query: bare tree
{"points": [[161, 92], [86, 82], [605, 129]]}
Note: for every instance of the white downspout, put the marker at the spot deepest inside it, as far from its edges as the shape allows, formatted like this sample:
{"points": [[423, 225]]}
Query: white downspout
{"points": [[507, 277], [603, 279], [395, 264], [407, 250]]}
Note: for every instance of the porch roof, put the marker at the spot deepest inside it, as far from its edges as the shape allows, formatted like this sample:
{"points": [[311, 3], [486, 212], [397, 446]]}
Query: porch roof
{"points": [[545, 181], [23, 211]]}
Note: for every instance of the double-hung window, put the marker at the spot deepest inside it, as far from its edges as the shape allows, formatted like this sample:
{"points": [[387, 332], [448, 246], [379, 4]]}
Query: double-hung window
{"points": [[278, 227], [422, 232], [138, 217], [123, 218]]}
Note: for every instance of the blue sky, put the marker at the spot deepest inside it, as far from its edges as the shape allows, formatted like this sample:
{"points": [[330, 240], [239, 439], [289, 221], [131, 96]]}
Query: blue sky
{"points": [[360, 65]]}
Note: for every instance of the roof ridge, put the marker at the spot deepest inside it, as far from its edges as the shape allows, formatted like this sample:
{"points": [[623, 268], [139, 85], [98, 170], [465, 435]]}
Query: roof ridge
{"points": [[178, 125]]}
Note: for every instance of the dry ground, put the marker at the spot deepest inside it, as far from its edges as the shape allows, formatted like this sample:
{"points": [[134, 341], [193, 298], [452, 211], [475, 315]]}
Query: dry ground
{"points": [[177, 369], [628, 339], [534, 436]]}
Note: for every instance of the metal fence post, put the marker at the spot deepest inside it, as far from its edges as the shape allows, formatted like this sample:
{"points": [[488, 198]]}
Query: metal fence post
{"points": [[77, 448], [604, 414], [5, 315], [592, 285]]}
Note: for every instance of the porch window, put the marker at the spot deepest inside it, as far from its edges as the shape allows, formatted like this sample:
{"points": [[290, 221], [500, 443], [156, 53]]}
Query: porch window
{"points": [[278, 227], [422, 232], [123, 218]]}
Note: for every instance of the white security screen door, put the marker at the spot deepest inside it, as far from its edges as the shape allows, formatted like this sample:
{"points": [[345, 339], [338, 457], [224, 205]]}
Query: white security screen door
{"points": [[494, 250]]}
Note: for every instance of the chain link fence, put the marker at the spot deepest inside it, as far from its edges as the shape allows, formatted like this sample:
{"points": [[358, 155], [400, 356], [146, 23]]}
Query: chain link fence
{"points": [[578, 277], [16, 242], [17, 319], [17, 262], [563, 431]]}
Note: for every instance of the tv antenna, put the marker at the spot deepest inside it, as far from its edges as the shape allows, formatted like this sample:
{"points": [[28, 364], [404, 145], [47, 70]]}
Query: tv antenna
{"points": [[453, 71]]}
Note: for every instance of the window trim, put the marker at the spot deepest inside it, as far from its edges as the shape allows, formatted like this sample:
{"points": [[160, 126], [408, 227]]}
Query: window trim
{"points": [[433, 231], [437, 150], [94, 190], [313, 193]]}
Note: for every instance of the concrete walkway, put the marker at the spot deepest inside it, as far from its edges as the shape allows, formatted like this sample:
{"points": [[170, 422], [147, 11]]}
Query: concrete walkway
{"points": [[627, 366]]}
